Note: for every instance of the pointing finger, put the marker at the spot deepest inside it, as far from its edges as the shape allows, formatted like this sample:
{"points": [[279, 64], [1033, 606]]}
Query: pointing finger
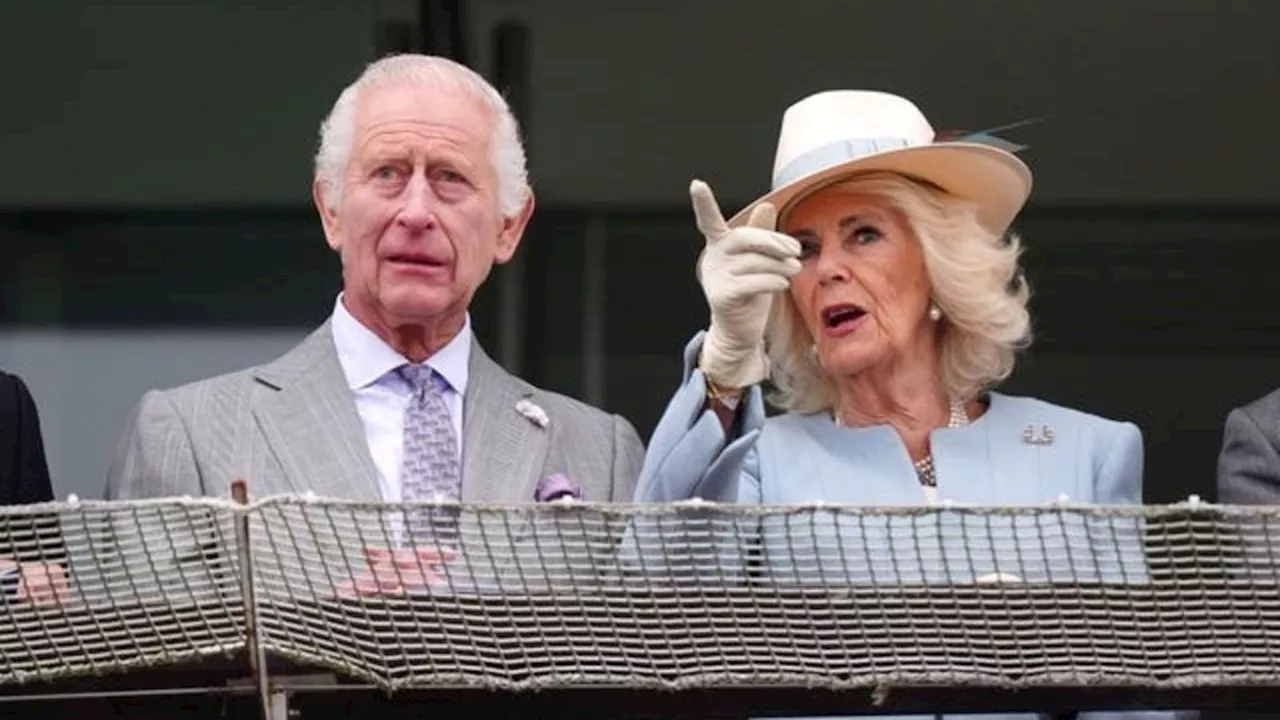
{"points": [[709, 218]]}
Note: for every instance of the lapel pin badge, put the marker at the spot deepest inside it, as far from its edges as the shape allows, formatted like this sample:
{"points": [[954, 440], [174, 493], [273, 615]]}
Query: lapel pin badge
{"points": [[533, 413], [1032, 435]]}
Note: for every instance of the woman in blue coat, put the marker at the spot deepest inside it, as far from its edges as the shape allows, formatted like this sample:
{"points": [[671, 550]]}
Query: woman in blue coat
{"points": [[884, 309]]}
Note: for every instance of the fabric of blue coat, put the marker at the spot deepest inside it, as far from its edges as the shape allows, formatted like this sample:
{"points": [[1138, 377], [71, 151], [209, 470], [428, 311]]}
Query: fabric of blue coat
{"points": [[803, 459]]}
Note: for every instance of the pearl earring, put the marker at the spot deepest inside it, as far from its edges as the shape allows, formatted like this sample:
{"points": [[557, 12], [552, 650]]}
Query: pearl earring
{"points": [[935, 312], [813, 351]]}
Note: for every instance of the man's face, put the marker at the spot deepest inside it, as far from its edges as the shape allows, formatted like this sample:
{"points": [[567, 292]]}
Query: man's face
{"points": [[418, 224]]}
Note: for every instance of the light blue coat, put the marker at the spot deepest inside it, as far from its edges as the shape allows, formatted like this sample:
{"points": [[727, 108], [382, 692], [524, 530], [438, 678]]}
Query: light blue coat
{"points": [[799, 459]]}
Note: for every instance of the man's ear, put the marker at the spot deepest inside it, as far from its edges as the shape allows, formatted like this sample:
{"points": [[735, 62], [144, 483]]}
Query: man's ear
{"points": [[328, 216], [513, 231]]}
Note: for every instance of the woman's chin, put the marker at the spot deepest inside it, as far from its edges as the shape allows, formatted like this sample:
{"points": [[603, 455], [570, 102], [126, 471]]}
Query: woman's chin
{"points": [[845, 359]]}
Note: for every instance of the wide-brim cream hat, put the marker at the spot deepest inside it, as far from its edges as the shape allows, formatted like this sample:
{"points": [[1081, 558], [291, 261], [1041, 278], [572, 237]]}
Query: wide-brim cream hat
{"points": [[830, 136]]}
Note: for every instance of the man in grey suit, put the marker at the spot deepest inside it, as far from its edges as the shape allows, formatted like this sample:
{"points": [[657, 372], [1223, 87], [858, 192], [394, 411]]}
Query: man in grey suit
{"points": [[421, 187], [1249, 474], [1249, 464]]}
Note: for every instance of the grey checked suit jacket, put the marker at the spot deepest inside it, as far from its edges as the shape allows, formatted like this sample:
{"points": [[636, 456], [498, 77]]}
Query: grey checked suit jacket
{"points": [[291, 426]]}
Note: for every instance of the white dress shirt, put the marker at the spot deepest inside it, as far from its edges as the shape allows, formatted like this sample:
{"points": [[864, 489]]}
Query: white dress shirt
{"points": [[382, 397]]}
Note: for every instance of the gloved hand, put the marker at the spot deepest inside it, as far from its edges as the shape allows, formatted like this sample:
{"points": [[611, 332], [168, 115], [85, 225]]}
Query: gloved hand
{"points": [[740, 270]]}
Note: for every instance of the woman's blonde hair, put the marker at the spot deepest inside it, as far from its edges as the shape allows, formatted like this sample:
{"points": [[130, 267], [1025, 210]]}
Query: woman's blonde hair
{"points": [[976, 282]]}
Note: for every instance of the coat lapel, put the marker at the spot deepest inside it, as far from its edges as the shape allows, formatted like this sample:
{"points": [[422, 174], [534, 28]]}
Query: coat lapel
{"points": [[964, 464], [995, 466], [311, 424], [503, 451]]}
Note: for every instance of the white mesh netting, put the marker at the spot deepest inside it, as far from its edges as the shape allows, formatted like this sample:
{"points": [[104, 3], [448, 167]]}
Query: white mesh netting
{"points": [[654, 596]]}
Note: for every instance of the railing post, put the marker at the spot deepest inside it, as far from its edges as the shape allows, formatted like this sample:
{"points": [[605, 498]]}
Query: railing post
{"points": [[271, 706]]}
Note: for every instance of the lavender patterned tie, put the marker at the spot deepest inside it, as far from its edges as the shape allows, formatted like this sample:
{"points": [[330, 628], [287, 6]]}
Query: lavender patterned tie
{"points": [[430, 468]]}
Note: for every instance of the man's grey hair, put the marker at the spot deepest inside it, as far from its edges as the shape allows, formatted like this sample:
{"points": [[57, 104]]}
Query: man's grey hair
{"points": [[337, 132]]}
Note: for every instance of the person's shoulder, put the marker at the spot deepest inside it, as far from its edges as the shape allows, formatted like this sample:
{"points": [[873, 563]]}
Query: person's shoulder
{"points": [[10, 383], [193, 404], [569, 410], [229, 383], [1034, 411], [565, 411], [14, 393], [1264, 409], [229, 389], [793, 423], [1115, 446]]}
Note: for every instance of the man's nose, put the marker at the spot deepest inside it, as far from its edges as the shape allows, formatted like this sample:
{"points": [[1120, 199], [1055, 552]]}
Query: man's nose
{"points": [[418, 212]]}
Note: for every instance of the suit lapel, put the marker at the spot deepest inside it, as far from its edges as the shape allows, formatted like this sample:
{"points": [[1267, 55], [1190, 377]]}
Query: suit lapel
{"points": [[503, 451], [311, 424]]}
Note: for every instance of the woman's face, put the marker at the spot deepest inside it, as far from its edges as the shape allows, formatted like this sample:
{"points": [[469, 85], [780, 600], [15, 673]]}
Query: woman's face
{"points": [[862, 290]]}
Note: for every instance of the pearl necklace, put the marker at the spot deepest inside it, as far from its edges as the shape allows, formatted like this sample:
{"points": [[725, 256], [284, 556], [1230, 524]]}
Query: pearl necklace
{"points": [[924, 466]]}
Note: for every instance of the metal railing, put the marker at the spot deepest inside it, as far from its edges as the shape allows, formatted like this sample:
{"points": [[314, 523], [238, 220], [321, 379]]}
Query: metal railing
{"points": [[679, 597]]}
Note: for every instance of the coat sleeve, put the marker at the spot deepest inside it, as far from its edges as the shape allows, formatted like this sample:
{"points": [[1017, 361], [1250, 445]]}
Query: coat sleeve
{"points": [[689, 455], [29, 482]]}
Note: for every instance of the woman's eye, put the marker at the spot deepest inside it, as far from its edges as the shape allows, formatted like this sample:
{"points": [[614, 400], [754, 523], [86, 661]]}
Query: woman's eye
{"points": [[866, 234]]}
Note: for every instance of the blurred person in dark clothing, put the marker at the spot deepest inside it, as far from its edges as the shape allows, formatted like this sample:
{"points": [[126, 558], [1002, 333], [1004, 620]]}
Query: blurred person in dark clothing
{"points": [[30, 546]]}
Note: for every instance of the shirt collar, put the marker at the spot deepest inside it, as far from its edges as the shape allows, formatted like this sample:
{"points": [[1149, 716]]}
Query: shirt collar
{"points": [[366, 358]]}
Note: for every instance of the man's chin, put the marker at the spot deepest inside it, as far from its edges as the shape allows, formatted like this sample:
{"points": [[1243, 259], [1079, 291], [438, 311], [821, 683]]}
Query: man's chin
{"points": [[419, 305]]}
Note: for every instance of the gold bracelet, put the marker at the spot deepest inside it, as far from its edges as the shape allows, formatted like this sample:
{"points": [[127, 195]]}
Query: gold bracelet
{"points": [[727, 398]]}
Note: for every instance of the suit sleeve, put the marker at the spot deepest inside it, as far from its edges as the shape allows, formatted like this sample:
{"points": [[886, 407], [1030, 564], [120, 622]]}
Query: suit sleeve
{"points": [[1248, 465], [154, 457], [174, 552], [628, 455]]}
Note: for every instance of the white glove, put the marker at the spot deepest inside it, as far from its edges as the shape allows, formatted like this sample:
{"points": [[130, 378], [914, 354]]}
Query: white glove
{"points": [[740, 271]]}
